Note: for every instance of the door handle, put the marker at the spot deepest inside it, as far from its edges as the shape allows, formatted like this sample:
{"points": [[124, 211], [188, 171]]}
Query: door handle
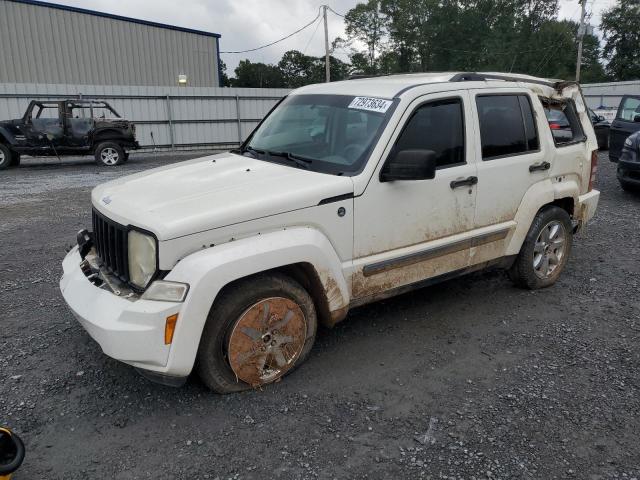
{"points": [[536, 167], [467, 182]]}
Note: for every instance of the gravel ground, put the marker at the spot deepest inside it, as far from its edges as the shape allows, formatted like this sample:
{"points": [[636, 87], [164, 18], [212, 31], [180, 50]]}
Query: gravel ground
{"points": [[471, 378]]}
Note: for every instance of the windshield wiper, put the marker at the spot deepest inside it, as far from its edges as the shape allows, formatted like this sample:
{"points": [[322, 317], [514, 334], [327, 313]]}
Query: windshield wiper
{"points": [[255, 152], [300, 161]]}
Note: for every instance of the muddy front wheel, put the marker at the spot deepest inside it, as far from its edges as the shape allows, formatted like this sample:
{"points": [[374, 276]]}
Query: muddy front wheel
{"points": [[259, 330]]}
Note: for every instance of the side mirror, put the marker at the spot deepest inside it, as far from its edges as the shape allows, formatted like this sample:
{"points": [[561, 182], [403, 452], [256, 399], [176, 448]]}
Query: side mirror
{"points": [[410, 165], [636, 118], [601, 118]]}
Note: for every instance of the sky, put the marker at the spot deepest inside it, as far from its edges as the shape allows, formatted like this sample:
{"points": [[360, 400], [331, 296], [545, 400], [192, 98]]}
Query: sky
{"points": [[246, 24]]}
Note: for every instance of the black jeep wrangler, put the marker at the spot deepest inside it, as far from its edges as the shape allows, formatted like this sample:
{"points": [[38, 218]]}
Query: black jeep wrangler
{"points": [[67, 127]]}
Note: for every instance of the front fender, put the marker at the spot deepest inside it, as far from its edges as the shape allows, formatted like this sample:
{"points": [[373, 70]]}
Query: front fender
{"points": [[209, 270], [7, 136]]}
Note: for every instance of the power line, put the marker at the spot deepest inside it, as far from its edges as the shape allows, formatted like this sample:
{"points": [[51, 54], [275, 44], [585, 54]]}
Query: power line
{"points": [[279, 40], [551, 53], [339, 14], [311, 39]]}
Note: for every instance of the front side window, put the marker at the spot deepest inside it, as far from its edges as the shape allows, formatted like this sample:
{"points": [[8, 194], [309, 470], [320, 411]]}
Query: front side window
{"points": [[507, 125], [563, 121], [629, 110], [44, 111], [325, 133], [436, 126]]}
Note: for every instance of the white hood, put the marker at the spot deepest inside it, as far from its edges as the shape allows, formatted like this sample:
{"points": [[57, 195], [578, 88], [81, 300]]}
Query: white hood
{"points": [[211, 192]]}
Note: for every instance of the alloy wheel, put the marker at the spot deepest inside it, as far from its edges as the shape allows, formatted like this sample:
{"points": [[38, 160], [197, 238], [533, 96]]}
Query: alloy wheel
{"points": [[549, 249], [109, 156], [267, 340]]}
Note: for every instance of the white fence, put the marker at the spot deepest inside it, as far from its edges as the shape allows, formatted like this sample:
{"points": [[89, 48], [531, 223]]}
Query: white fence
{"points": [[607, 96], [165, 118]]}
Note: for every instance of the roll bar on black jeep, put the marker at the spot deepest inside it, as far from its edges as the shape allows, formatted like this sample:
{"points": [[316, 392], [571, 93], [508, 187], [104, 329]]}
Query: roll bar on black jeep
{"points": [[65, 107]]}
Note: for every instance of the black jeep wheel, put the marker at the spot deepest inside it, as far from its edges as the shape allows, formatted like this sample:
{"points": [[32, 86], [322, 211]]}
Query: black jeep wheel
{"points": [[109, 154], [15, 160], [5, 157], [628, 186]]}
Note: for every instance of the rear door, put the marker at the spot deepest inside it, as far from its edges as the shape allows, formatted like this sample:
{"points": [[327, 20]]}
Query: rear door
{"points": [[627, 122], [79, 123], [510, 160]]}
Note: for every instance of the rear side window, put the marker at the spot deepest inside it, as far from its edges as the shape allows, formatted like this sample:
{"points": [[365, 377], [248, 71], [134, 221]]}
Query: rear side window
{"points": [[563, 121], [437, 126], [507, 125], [629, 110]]}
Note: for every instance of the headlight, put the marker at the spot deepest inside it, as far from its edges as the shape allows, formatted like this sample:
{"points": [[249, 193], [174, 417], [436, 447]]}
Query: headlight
{"points": [[164, 291], [142, 258]]}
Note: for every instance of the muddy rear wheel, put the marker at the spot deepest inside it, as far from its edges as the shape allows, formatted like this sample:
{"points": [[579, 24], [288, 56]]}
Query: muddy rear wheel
{"points": [[545, 251], [259, 330]]}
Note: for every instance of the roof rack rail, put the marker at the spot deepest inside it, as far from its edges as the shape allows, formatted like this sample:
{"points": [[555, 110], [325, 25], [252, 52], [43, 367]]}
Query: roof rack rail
{"points": [[481, 77], [359, 76]]}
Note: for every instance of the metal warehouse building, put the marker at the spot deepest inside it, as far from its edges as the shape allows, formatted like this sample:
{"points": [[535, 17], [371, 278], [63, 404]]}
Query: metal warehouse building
{"points": [[56, 44]]}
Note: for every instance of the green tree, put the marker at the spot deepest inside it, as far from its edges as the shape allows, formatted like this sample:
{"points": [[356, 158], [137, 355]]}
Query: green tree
{"points": [[621, 30], [401, 31], [522, 36], [366, 23], [257, 75], [224, 78], [298, 69]]}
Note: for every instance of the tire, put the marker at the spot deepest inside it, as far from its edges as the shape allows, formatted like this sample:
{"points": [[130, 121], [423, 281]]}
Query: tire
{"points": [[629, 187], [228, 356], [109, 154], [15, 160], [5, 157], [528, 270]]}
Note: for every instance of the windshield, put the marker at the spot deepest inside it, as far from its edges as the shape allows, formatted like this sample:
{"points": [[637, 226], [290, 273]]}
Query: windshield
{"points": [[324, 133]]}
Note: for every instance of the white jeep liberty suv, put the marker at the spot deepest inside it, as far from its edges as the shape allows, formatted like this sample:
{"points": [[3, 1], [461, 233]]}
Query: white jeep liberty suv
{"points": [[346, 193]]}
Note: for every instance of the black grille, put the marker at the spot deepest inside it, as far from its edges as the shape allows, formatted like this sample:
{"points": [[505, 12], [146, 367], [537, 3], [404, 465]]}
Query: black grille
{"points": [[111, 242]]}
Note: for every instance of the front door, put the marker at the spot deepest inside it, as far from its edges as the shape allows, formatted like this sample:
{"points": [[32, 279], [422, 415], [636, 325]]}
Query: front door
{"points": [[407, 231], [43, 128], [627, 122]]}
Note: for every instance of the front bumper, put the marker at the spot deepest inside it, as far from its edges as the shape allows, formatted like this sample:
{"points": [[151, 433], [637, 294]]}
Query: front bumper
{"points": [[586, 208], [129, 330], [629, 172]]}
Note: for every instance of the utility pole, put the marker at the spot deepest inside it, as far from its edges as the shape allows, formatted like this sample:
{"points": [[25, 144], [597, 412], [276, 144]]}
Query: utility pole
{"points": [[327, 64], [581, 31]]}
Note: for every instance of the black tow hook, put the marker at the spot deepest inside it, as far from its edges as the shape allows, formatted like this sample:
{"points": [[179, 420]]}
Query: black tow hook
{"points": [[85, 242]]}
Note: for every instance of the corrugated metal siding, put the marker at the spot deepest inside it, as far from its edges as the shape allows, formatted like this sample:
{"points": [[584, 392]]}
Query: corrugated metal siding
{"points": [[608, 95], [186, 117], [48, 45]]}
